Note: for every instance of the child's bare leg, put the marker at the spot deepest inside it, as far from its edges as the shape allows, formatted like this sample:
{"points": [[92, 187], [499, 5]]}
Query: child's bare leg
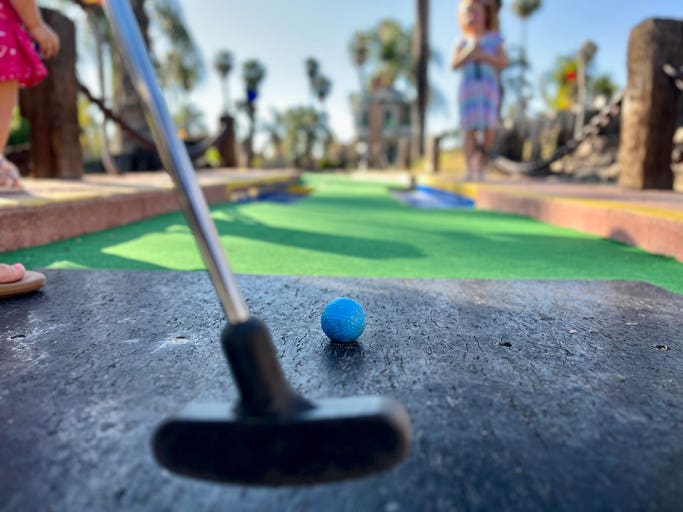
{"points": [[8, 100], [470, 148], [477, 163], [9, 176], [489, 139]]}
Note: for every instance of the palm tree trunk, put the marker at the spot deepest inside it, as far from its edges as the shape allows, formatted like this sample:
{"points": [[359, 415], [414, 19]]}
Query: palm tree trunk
{"points": [[105, 151], [362, 104], [126, 103], [421, 56], [51, 109], [521, 101], [251, 112], [226, 95], [581, 94]]}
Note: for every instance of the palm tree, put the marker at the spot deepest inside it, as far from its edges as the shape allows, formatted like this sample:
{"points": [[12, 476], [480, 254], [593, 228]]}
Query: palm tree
{"points": [[223, 63], [312, 71], [586, 53], [191, 121], [513, 79], [303, 127], [99, 27], [179, 69], [402, 55], [360, 50], [322, 87], [524, 9], [602, 85], [274, 129], [391, 50], [126, 103], [253, 73], [421, 59]]}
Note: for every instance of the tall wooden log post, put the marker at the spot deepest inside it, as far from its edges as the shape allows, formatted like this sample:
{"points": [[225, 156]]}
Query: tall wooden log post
{"points": [[403, 160], [420, 51], [52, 110], [130, 155], [433, 154], [226, 146], [649, 108]]}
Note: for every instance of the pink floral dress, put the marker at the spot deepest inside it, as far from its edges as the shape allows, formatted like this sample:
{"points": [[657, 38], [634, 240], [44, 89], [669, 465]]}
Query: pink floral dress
{"points": [[19, 59]]}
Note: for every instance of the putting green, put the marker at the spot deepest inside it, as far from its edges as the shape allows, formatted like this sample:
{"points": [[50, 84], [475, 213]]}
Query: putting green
{"points": [[352, 228]]}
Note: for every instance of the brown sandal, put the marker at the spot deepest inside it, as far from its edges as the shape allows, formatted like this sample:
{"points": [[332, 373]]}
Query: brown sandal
{"points": [[30, 282]]}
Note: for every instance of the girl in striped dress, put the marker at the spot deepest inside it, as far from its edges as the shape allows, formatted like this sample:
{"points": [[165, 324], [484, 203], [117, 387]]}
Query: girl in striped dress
{"points": [[481, 56]]}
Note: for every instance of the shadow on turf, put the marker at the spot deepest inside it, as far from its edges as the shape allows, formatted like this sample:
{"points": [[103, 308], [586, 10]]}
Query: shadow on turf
{"points": [[245, 226]]}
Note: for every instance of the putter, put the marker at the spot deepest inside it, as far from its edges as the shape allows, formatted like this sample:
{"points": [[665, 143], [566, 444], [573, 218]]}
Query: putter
{"points": [[273, 436]]}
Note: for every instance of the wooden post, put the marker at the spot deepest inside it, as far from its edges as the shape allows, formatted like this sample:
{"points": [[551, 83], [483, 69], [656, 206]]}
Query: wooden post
{"points": [[127, 105], [226, 145], [403, 160], [649, 107], [420, 52], [375, 127], [432, 154], [52, 110]]}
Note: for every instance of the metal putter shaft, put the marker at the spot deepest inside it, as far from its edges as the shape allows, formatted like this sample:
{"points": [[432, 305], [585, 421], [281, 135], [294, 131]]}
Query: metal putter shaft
{"points": [[274, 436]]}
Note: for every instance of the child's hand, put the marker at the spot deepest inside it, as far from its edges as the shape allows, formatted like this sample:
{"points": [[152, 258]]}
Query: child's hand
{"points": [[479, 55], [47, 40]]}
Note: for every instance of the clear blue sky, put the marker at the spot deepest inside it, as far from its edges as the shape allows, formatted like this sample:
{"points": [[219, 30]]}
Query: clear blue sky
{"points": [[283, 33]]}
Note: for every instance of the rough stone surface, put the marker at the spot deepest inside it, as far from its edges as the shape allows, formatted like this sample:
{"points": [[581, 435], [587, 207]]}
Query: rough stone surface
{"points": [[524, 395]]}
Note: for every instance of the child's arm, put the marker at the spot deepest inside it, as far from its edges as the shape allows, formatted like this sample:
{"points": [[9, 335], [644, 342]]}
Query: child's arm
{"points": [[460, 56], [30, 16], [498, 60], [28, 12]]}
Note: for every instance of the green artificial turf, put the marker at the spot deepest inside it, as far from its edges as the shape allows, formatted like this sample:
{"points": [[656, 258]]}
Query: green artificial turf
{"points": [[351, 228]]}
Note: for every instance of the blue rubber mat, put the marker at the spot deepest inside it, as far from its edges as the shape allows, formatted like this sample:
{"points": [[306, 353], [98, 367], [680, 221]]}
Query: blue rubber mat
{"points": [[282, 197], [431, 198]]}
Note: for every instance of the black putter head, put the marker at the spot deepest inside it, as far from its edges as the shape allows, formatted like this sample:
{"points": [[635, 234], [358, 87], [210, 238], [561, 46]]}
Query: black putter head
{"points": [[335, 439], [274, 436]]}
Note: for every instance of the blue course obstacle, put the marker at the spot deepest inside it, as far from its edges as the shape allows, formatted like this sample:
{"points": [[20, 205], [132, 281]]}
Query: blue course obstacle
{"points": [[431, 198]]}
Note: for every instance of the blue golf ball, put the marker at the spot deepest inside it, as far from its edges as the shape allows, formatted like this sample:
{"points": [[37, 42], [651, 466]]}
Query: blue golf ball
{"points": [[343, 320]]}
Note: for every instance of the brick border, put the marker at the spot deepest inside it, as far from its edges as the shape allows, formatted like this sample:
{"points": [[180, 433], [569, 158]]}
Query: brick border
{"points": [[614, 220], [45, 223]]}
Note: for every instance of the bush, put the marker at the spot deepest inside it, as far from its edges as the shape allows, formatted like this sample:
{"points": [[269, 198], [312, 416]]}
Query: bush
{"points": [[19, 130]]}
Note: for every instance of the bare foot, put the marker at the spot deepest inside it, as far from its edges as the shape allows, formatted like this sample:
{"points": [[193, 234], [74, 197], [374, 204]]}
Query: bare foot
{"points": [[11, 274], [478, 164], [9, 175]]}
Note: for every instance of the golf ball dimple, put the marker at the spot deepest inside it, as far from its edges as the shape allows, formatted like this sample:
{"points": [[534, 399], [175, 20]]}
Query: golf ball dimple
{"points": [[343, 320]]}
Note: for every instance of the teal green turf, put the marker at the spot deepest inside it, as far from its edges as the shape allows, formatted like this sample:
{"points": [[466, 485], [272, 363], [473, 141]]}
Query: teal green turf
{"points": [[352, 228]]}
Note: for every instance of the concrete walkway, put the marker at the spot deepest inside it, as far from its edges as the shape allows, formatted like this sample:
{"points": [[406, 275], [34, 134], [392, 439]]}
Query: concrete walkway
{"points": [[523, 395]]}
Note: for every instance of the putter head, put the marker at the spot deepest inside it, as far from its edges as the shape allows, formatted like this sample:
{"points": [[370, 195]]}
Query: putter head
{"points": [[336, 439]]}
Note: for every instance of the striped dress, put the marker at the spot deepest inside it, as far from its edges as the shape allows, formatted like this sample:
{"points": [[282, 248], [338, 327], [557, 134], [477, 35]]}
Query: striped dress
{"points": [[479, 93]]}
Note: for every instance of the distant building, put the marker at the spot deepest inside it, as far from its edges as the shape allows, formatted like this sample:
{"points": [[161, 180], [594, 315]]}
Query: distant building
{"points": [[383, 126]]}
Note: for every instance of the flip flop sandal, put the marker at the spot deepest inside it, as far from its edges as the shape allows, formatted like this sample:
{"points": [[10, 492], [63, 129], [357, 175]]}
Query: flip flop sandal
{"points": [[31, 282]]}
